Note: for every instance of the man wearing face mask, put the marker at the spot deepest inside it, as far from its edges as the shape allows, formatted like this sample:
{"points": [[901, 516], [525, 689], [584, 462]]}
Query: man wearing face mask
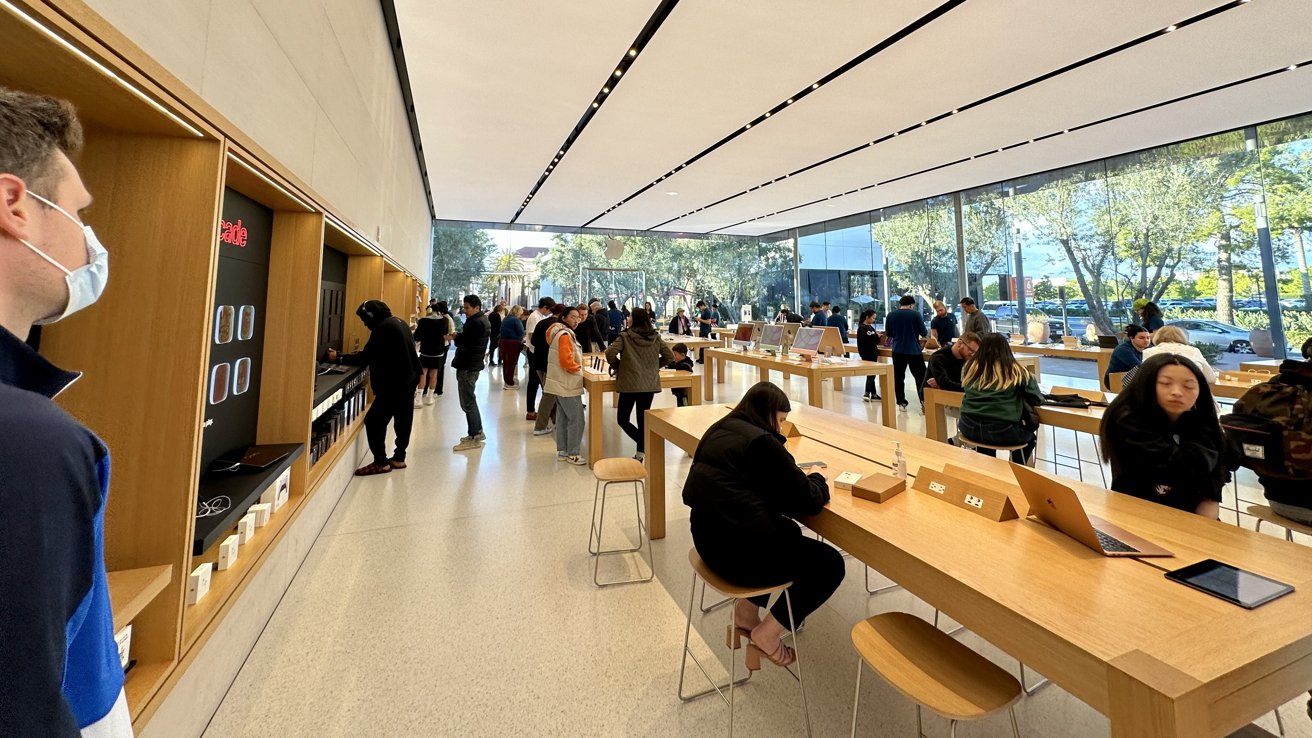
{"points": [[393, 375], [62, 673]]}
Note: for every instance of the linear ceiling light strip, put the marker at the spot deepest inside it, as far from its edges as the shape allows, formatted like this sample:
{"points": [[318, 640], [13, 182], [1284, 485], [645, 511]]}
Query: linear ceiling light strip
{"points": [[851, 64], [1083, 126], [613, 80], [977, 103]]}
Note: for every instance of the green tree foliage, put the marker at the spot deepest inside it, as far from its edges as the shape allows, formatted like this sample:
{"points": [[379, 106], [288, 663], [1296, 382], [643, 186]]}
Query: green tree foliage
{"points": [[458, 261], [920, 245]]}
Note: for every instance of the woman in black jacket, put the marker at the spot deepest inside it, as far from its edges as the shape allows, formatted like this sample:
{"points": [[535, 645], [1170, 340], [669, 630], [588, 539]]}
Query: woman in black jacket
{"points": [[1163, 438], [867, 346], [744, 487]]}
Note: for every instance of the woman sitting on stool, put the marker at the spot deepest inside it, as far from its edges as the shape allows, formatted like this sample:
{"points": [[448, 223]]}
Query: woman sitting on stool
{"points": [[743, 489], [1163, 439], [997, 390]]}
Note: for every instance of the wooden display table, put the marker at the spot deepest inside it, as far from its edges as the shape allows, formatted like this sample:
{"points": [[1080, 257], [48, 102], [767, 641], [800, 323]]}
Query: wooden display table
{"points": [[723, 334], [937, 401], [1262, 365], [815, 372], [1029, 362], [692, 342], [1156, 657], [1087, 353], [599, 384]]}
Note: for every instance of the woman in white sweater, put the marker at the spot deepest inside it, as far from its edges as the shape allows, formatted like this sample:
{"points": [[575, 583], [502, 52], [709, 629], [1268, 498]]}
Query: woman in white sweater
{"points": [[1173, 340]]}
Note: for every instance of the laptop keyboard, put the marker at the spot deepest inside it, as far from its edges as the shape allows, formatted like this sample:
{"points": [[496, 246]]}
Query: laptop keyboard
{"points": [[1113, 545]]}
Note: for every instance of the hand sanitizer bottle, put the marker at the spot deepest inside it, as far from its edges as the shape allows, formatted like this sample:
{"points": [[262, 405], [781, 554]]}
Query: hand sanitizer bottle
{"points": [[899, 463]]}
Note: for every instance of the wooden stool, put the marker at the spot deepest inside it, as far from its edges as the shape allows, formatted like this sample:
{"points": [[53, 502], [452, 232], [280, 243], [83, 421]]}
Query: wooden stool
{"points": [[733, 593], [933, 670], [1265, 514], [963, 441], [618, 471]]}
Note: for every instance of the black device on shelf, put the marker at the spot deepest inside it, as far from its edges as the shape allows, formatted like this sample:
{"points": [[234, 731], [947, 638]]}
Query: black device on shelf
{"points": [[225, 497], [333, 421]]}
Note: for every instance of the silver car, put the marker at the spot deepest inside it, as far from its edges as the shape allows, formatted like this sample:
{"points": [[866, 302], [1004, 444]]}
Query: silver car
{"points": [[1228, 337]]}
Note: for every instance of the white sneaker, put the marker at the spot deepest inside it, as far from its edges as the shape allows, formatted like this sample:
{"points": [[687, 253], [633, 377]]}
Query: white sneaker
{"points": [[639, 457], [467, 444], [508, 387], [419, 400], [428, 399], [867, 398], [576, 460], [545, 431]]}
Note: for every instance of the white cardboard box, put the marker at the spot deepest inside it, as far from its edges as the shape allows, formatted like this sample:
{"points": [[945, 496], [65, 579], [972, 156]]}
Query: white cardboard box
{"points": [[198, 583], [276, 495], [246, 528], [228, 552], [123, 639], [262, 513]]}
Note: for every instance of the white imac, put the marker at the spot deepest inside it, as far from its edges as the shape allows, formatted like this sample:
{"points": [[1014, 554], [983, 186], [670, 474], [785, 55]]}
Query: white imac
{"points": [[772, 338], [807, 342]]}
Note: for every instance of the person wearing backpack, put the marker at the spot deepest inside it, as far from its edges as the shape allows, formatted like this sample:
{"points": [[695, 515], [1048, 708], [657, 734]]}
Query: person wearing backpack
{"points": [[1270, 431]]}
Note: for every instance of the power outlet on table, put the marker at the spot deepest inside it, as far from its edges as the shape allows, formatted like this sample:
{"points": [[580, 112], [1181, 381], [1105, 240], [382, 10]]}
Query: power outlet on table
{"points": [[974, 501]]}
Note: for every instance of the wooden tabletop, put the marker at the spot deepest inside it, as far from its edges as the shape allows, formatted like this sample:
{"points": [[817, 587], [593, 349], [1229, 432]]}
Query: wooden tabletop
{"points": [[816, 372], [1260, 365], [1158, 658], [1082, 420], [598, 384]]}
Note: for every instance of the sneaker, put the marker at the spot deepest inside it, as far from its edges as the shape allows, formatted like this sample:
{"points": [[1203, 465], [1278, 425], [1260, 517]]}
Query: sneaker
{"points": [[419, 400], [902, 407], [397, 463], [576, 460], [866, 398], [544, 431], [428, 399], [467, 444], [639, 457], [479, 436], [530, 416]]}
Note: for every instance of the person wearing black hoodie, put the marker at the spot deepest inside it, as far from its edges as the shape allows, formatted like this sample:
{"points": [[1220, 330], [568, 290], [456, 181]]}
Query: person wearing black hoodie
{"points": [[745, 491], [393, 374], [471, 347]]}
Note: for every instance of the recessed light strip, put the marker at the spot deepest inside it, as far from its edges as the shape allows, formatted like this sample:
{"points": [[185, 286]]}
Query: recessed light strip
{"points": [[275, 185], [1044, 137], [613, 80], [982, 101], [851, 64], [100, 67]]}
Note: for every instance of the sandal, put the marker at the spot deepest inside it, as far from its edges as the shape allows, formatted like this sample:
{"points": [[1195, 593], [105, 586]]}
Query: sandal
{"points": [[783, 656], [372, 469], [734, 637]]}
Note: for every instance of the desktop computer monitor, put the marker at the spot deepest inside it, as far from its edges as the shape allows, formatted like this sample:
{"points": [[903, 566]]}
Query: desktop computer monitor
{"points": [[772, 338], [807, 342], [742, 337]]}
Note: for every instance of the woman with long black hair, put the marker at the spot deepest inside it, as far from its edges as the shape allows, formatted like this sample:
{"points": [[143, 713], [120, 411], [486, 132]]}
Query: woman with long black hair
{"points": [[1163, 438], [745, 489], [997, 389]]}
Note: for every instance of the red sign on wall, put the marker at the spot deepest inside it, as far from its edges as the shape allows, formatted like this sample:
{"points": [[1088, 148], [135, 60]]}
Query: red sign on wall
{"points": [[1029, 286], [233, 233]]}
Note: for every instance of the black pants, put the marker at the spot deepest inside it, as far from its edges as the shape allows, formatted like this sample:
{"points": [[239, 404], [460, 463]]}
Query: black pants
{"points": [[815, 568], [872, 388], [533, 386], [386, 408], [628, 400], [900, 364]]}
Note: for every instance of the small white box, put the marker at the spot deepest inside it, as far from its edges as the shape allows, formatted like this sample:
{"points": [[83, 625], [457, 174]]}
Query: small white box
{"points": [[123, 639], [198, 583], [263, 512], [246, 528], [846, 480], [228, 552], [277, 493]]}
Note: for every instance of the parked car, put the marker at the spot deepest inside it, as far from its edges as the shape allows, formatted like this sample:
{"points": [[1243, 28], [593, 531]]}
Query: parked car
{"points": [[1228, 337]]}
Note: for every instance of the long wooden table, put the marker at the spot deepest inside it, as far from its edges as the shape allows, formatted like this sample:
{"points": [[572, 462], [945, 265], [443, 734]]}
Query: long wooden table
{"points": [[1088, 353], [1260, 365], [816, 372], [1158, 658], [937, 401], [599, 384], [692, 342]]}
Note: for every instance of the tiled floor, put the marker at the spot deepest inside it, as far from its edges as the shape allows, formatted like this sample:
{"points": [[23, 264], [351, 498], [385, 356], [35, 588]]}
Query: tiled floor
{"points": [[455, 598]]}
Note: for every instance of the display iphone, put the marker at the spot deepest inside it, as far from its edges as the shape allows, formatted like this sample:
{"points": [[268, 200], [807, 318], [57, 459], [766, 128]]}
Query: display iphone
{"points": [[219, 382], [241, 377], [224, 317], [246, 323]]}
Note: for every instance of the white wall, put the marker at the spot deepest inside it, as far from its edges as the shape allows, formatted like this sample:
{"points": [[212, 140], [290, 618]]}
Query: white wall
{"points": [[311, 81]]}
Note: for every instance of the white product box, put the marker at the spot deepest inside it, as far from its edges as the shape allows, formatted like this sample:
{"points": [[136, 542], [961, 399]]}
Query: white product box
{"points": [[198, 583], [246, 528], [276, 495], [228, 552], [123, 639], [263, 512], [846, 480]]}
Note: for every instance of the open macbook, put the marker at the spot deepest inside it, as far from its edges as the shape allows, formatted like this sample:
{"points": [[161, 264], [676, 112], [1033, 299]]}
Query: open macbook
{"points": [[1057, 505]]}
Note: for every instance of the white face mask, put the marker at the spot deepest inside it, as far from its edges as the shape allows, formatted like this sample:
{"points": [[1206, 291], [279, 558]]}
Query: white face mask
{"points": [[86, 283]]}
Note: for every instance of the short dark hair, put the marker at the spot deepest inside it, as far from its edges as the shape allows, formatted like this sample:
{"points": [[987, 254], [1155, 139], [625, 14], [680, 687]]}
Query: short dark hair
{"points": [[611, 303], [547, 303], [567, 309], [1134, 329], [814, 305], [701, 303], [837, 310], [557, 309], [907, 300], [826, 302], [760, 406], [968, 300], [32, 129], [473, 301], [680, 348], [441, 307]]}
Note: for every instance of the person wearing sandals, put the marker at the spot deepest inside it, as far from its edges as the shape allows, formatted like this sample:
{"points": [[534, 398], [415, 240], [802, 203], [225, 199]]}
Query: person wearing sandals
{"points": [[745, 490], [394, 371]]}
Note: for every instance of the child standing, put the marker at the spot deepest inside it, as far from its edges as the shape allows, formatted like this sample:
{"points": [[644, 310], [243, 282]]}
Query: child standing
{"points": [[684, 364]]}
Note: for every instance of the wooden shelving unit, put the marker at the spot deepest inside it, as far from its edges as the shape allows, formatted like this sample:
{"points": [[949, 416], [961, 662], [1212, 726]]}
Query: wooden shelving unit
{"points": [[158, 180]]}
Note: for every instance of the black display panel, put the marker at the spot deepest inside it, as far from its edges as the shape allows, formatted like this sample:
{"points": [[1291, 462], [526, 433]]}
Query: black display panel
{"points": [[236, 327]]}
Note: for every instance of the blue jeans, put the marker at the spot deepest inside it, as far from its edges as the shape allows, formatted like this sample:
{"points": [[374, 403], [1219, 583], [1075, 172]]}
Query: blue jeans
{"points": [[569, 425], [466, 380], [998, 433]]}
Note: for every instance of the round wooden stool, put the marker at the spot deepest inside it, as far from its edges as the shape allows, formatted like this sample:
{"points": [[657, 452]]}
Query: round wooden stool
{"points": [[617, 471]]}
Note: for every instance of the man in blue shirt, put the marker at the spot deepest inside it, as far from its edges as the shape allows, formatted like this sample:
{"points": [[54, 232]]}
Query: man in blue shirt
{"points": [[1130, 353], [705, 321], [839, 321], [906, 327], [62, 673]]}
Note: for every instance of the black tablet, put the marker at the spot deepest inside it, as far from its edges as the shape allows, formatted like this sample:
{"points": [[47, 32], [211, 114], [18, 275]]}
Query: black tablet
{"points": [[1243, 588]]}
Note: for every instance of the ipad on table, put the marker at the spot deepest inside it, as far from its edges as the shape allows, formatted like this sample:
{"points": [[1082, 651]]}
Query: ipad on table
{"points": [[1232, 584]]}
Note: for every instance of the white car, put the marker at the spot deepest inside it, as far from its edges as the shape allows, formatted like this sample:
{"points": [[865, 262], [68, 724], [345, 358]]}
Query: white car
{"points": [[1230, 338]]}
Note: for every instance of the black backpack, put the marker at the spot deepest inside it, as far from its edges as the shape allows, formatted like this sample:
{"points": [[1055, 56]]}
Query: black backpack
{"points": [[1270, 430]]}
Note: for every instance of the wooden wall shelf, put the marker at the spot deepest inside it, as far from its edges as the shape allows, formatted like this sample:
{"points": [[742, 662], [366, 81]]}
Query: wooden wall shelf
{"points": [[130, 590]]}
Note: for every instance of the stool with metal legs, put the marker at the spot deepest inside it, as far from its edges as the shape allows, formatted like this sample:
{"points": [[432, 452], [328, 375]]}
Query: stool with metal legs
{"points": [[995, 447], [877, 590], [932, 670], [1265, 514], [1030, 689], [733, 593], [618, 471]]}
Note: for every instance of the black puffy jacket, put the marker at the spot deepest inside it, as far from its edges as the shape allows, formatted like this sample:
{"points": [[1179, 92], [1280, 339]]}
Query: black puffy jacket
{"points": [[745, 483]]}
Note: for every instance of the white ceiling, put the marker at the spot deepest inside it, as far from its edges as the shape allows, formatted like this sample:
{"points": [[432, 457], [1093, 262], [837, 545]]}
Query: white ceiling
{"points": [[499, 86]]}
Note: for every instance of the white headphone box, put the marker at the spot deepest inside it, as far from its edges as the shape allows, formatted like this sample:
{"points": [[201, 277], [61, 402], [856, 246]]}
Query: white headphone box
{"points": [[198, 583]]}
